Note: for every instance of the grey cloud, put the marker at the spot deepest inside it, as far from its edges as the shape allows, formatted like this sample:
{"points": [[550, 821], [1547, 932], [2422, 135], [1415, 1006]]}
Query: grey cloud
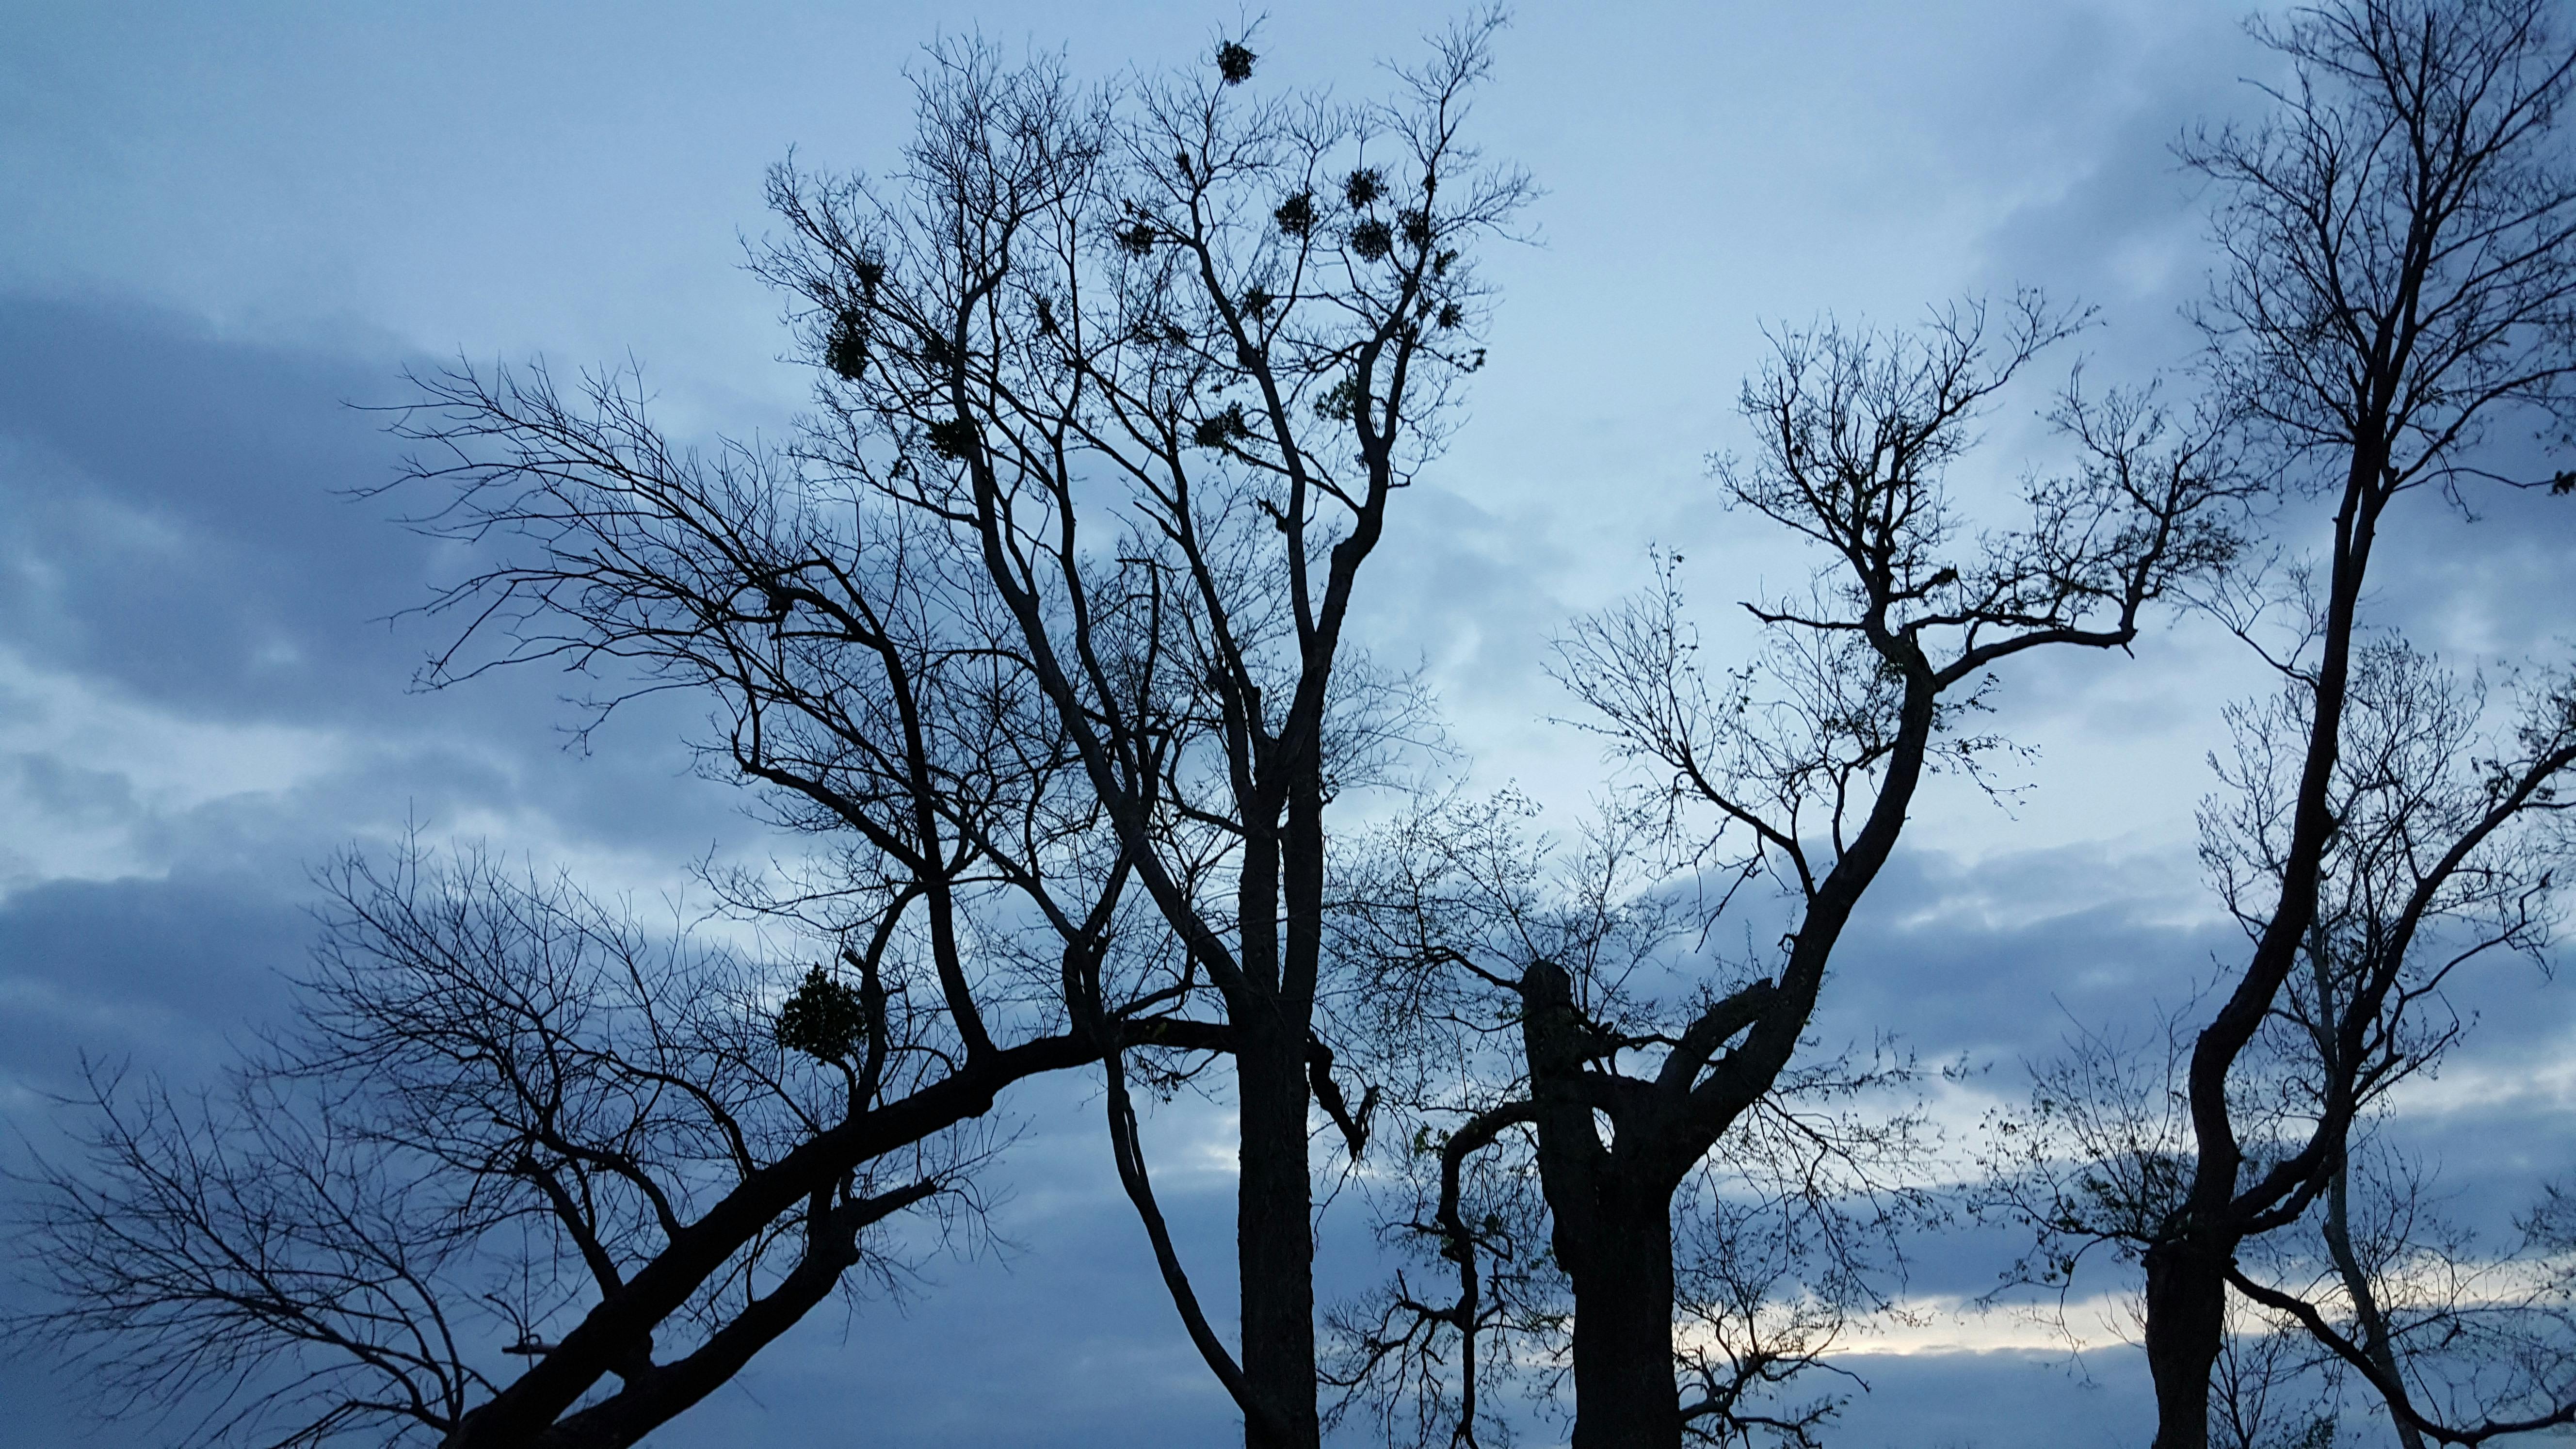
{"points": [[164, 975], [183, 538], [2005, 1399], [177, 525]]}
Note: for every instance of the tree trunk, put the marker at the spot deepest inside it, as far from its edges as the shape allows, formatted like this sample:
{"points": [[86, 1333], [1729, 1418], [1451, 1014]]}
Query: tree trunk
{"points": [[1612, 1230], [2365, 1303], [1274, 1237], [2186, 1323], [1623, 1326]]}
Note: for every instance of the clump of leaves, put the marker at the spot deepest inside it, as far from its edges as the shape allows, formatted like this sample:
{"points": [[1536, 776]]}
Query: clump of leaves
{"points": [[1136, 238], [1216, 430], [846, 350], [951, 437], [1450, 316], [870, 273], [1417, 227], [822, 1018], [1296, 215], [1341, 402], [1234, 63], [1364, 187], [1372, 239], [1153, 329], [1256, 302]]}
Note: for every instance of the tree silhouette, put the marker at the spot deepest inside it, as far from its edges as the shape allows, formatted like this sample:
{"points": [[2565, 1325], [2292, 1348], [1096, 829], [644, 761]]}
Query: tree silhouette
{"points": [[2400, 246], [1800, 768]]}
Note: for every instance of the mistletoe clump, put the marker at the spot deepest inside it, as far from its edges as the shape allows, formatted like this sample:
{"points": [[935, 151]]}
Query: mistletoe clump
{"points": [[846, 351], [1218, 429], [823, 1018]]}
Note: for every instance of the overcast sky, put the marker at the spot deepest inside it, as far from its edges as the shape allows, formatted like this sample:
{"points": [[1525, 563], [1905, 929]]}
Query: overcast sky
{"points": [[220, 226]]}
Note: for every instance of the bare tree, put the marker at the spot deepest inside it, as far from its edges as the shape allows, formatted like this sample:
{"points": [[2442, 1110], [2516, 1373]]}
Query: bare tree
{"points": [[1800, 769], [2400, 239], [518, 1173], [2447, 851], [853, 669], [1058, 796], [2453, 1336], [2449, 842], [856, 685], [1155, 364]]}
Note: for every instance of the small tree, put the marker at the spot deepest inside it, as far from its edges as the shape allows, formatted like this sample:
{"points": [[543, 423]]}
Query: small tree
{"points": [[1781, 1235], [2449, 840], [517, 1173]]}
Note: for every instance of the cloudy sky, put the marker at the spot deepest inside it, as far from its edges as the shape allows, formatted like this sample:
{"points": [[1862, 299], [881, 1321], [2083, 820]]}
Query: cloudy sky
{"points": [[225, 225]]}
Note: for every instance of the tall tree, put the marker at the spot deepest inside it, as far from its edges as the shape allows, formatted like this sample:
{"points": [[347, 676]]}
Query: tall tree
{"points": [[1156, 363], [1800, 768], [1040, 630], [2401, 240], [2400, 282]]}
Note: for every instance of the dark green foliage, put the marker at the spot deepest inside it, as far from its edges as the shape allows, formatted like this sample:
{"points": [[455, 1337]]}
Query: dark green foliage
{"points": [[1372, 239], [823, 1019], [1215, 431], [1417, 227], [1364, 187], [1234, 63], [1296, 215], [2320, 1434], [1340, 402], [846, 352], [952, 437], [1136, 238], [1256, 303]]}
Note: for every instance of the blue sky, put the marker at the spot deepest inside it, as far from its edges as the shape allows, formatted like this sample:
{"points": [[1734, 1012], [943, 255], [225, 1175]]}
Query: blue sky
{"points": [[226, 225]]}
